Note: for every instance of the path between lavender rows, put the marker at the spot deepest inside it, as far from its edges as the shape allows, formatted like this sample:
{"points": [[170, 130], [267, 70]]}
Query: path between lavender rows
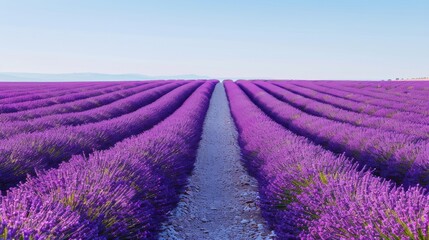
{"points": [[221, 199]]}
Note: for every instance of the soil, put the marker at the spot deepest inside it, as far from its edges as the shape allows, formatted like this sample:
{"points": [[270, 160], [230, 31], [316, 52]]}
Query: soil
{"points": [[221, 199]]}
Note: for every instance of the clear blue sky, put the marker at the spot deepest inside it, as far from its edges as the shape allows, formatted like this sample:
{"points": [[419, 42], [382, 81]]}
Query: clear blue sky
{"points": [[320, 39]]}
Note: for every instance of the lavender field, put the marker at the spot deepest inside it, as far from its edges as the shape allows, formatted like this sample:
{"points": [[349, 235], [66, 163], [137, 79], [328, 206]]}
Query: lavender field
{"points": [[203, 159]]}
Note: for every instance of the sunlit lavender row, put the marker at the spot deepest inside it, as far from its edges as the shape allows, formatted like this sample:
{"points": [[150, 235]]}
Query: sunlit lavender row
{"points": [[295, 148], [120, 193]]}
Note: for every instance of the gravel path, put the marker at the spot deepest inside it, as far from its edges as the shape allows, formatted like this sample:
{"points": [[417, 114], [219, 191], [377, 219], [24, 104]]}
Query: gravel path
{"points": [[221, 200]]}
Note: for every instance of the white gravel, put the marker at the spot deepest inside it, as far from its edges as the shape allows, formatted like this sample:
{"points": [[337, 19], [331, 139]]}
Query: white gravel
{"points": [[221, 200]]}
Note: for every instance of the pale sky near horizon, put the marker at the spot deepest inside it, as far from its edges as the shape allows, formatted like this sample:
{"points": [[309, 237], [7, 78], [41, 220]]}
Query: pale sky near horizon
{"points": [[332, 39]]}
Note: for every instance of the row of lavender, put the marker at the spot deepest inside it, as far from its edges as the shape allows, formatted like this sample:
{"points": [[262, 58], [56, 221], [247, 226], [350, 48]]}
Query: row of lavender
{"points": [[83, 111], [395, 156], [381, 98], [25, 153], [311, 106], [8, 90], [30, 109], [120, 193], [44, 99], [311, 193], [411, 89], [344, 100]]}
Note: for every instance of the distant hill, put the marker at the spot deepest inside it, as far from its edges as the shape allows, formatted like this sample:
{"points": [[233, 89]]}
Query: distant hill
{"points": [[23, 77]]}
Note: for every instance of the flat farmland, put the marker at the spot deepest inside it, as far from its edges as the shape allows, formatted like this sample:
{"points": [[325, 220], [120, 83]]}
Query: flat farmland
{"points": [[203, 159]]}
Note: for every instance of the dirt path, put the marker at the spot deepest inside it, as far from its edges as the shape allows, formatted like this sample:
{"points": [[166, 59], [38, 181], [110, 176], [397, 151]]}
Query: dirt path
{"points": [[221, 200]]}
